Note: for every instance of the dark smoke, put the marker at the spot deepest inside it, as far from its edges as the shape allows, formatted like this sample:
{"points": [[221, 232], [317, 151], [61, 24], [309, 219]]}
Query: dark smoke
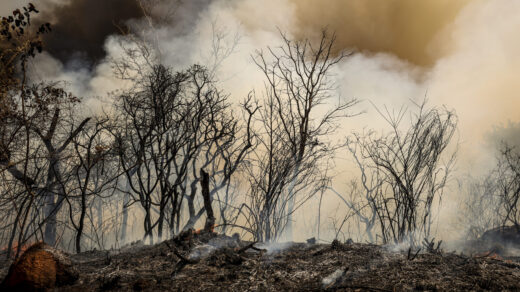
{"points": [[80, 27], [405, 28]]}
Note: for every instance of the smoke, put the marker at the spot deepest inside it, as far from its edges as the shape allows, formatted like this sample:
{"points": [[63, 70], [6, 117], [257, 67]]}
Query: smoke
{"points": [[80, 27], [462, 54], [404, 28], [479, 76], [87, 36], [6, 7], [508, 133], [85, 25], [459, 53]]}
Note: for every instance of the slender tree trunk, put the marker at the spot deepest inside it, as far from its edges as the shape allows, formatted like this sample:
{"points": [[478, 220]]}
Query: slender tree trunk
{"points": [[81, 222], [126, 201], [148, 232], [50, 208], [49, 235], [161, 219], [99, 209], [290, 206], [124, 224], [319, 215], [190, 200], [268, 227], [13, 232]]}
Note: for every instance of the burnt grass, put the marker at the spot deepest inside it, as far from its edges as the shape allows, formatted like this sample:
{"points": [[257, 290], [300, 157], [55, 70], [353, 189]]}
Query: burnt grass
{"points": [[210, 262]]}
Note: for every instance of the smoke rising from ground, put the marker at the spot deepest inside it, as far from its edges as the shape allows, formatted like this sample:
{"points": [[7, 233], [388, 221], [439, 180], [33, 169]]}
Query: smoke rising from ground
{"points": [[479, 75]]}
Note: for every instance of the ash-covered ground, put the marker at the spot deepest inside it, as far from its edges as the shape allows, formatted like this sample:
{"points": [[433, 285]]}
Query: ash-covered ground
{"points": [[210, 262]]}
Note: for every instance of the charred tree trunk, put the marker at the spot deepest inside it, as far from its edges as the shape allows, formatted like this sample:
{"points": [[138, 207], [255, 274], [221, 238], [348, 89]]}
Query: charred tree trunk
{"points": [[204, 183], [126, 202], [194, 216], [81, 222], [51, 206], [124, 224]]}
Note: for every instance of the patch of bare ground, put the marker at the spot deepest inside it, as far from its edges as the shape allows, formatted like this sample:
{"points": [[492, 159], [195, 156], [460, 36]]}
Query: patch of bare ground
{"points": [[209, 262]]}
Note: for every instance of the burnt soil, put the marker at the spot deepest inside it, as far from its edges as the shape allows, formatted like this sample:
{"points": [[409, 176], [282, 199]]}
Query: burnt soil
{"points": [[211, 262]]}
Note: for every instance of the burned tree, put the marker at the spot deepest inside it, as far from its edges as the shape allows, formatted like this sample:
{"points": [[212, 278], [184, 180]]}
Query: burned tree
{"points": [[19, 41], [508, 185], [92, 176], [45, 161], [54, 194], [297, 115], [358, 199], [481, 204], [148, 115], [172, 125], [407, 166], [222, 158]]}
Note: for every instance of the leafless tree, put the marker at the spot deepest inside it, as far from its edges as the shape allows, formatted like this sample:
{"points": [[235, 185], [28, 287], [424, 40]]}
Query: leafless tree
{"points": [[220, 154], [39, 166], [508, 185], [405, 167], [19, 41], [222, 158], [174, 124], [292, 131], [481, 204], [92, 176], [148, 115], [357, 202]]}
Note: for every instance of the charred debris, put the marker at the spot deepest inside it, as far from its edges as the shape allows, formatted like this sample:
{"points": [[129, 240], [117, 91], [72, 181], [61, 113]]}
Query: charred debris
{"points": [[206, 261]]}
